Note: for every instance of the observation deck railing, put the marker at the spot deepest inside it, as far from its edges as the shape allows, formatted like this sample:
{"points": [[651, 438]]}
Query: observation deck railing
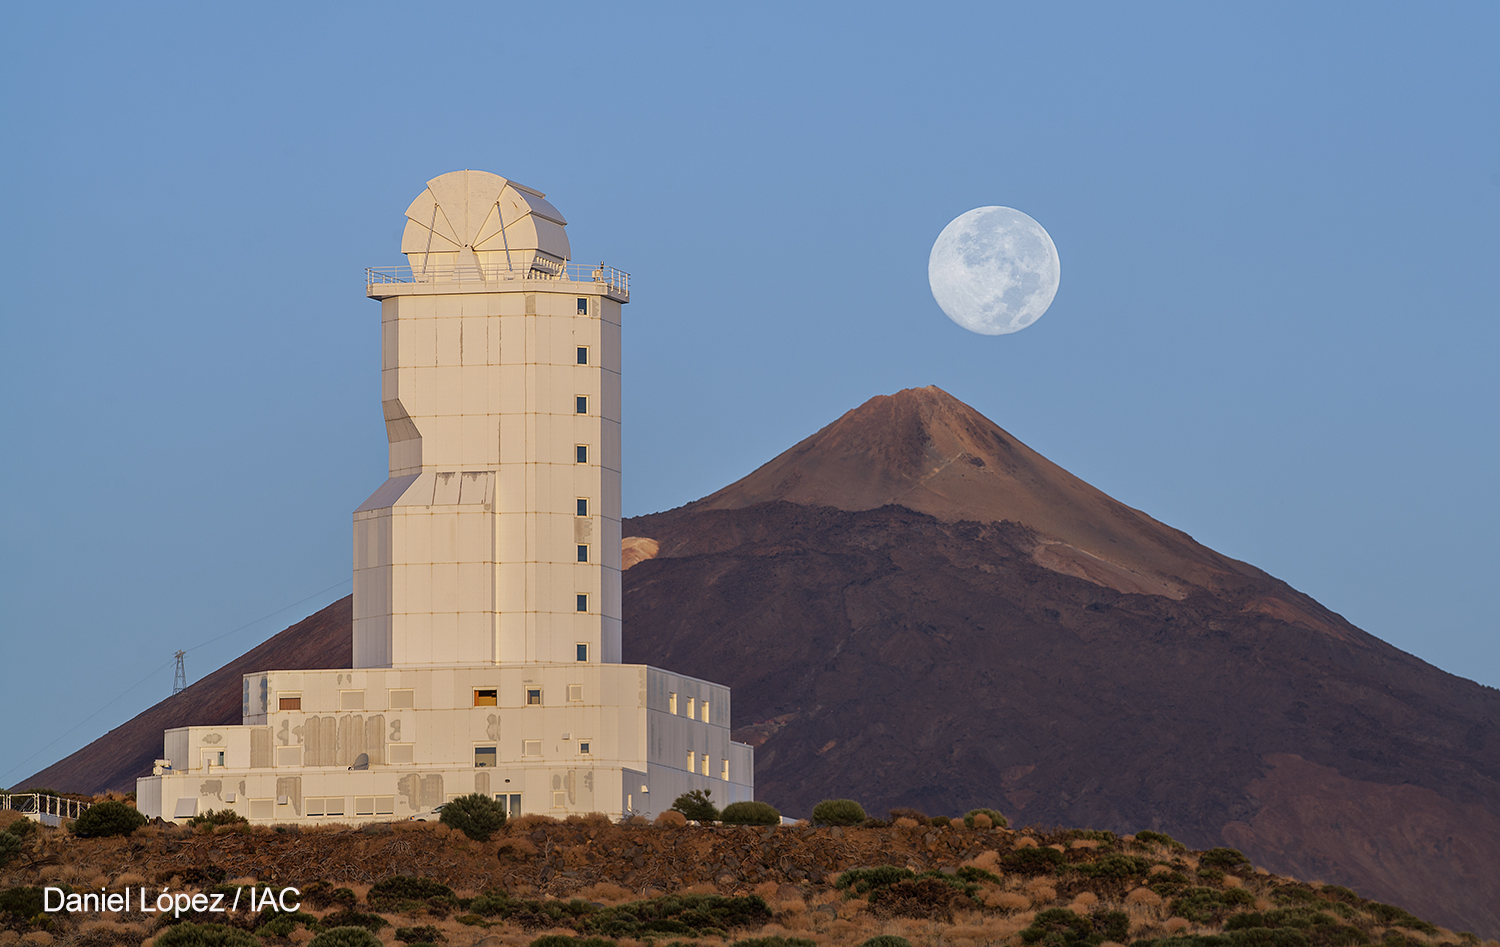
{"points": [[615, 282], [49, 809]]}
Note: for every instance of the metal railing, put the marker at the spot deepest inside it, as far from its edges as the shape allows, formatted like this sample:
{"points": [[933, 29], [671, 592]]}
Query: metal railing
{"points": [[616, 282], [43, 805]]}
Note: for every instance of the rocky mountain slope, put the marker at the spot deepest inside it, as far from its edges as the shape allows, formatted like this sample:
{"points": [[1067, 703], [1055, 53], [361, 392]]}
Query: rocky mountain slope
{"points": [[914, 608]]}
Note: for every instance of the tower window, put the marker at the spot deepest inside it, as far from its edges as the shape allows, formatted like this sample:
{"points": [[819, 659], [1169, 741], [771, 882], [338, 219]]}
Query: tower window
{"points": [[724, 769], [581, 404], [533, 696], [583, 651], [484, 756], [692, 760], [672, 703], [584, 748], [581, 454], [486, 698], [704, 764], [583, 305], [583, 506], [705, 711], [583, 602], [583, 553], [692, 707], [583, 354]]}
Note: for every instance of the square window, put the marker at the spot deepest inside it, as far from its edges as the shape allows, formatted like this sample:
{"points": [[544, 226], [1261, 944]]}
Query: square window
{"points": [[581, 454], [583, 553], [583, 506], [575, 692], [531, 747], [289, 703], [582, 605], [583, 652], [581, 404], [583, 354], [533, 696], [484, 756], [559, 799], [583, 306], [584, 747], [486, 698]]}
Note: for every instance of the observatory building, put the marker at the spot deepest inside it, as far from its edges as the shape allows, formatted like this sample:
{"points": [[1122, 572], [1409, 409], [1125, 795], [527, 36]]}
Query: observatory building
{"points": [[486, 567]]}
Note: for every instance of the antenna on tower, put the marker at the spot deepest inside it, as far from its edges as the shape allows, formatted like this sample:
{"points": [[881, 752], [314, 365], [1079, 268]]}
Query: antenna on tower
{"points": [[179, 683]]}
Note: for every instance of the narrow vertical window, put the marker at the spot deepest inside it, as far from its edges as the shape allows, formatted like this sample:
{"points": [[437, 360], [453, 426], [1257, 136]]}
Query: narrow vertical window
{"points": [[583, 354], [581, 454], [724, 769], [692, 760], [704, 764], [583, 305], [582, 604], [581, 404], [583, 506], [692, 707], [671, 703], [583, 651], [705, 711], [583, 553]]}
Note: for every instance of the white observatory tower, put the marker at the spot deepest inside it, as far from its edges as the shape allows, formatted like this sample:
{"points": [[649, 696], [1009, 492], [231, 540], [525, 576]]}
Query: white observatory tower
{"points": [[486, 567]]}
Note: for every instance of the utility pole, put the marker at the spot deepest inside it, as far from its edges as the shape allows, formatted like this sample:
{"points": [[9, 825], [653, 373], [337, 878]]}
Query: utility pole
{"points": [[180, 682]]}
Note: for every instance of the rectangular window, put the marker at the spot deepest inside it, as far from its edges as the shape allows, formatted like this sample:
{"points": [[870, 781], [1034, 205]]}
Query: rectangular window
{"points": [[334, 805], [672, 703], [583, 506], [531, 747], [692, 707], [398, 752], [704, 764], [364, 805], [583, 553], [351, 700], [575, 692], [212, 758], [582, 605], [692, 761], [289, 702], [533, 696], [484, 756], [583, 306], [488, 697], [262, 808], [559, 799], [705, 711], [584, 747], [385, 805], [289, 756], [581, 454], [583, 354], [724, 769], [582, 651], [403, 699], [313, 805], [581, 404]]}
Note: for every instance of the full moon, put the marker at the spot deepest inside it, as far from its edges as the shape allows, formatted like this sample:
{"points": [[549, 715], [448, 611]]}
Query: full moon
{"points": [[993, 270]]}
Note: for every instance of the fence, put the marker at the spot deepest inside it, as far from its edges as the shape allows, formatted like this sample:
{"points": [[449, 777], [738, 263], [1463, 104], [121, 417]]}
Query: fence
{"points": [[614, 282], [48, 809]]}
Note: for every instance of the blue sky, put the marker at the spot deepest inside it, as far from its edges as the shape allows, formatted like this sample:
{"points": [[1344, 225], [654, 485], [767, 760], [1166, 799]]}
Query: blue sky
{"points": [[1276, 328]]}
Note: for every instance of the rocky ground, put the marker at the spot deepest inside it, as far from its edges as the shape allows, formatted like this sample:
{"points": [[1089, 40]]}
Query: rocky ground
{"points": [[636, 884]]}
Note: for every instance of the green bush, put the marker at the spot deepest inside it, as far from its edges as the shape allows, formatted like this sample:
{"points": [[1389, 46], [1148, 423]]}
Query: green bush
{"points": [[274, 923], [886, 940], [562, 940], [907, 812], [188, 934], [696, 806], [1115, 865], [1210, 905], [999, 820], [1225, 859], [398, 889], [476, 815], [106, 819], [24, 902], [343, 937], [10, 847], [1392, 916], [367, 922], [1034, 860], [1148, 837], [776, 941], [21, 828], [213, 817], [935, 820], [693, 915], [838, 812], [865, 880], [750, 813], [1063, 928], [426, 934]]}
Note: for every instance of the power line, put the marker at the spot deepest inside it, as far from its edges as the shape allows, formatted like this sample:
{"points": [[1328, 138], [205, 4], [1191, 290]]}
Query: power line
{"points": [[64, 735]]}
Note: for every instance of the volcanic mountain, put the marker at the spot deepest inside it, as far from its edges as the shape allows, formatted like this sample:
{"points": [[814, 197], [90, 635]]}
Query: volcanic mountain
{"points": [[915, 609]]}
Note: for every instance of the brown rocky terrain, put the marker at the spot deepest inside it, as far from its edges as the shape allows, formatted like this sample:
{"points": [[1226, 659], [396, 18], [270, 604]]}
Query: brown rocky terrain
{"points": [[914, 608]]}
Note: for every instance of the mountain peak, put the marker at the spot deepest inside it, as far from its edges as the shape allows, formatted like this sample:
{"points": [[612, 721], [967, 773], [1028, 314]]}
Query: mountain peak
{"points": [[923, 449]]}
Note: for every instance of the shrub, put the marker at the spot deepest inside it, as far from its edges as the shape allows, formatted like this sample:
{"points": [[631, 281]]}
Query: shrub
{"points": [[1114, 865], [1033, 860], [426, 934], [1227, 859], [906, 812], [750, 813], [1062, 927], [188, 934], [1210, 905], [25, 902], [399, 889], [21, 828], [1392, 916], [475, 815], [343, 919], [886, 940], [865, 880], [838, 812], [935, 820], [671, 817], [212, 818], [926, 897], [320, 894], [274, 923], [344, 937], [106, 819], [995, 817], [1148, 837], [776, 941], [694, 915], [562, 940], [697, 806], [10, 847]]}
